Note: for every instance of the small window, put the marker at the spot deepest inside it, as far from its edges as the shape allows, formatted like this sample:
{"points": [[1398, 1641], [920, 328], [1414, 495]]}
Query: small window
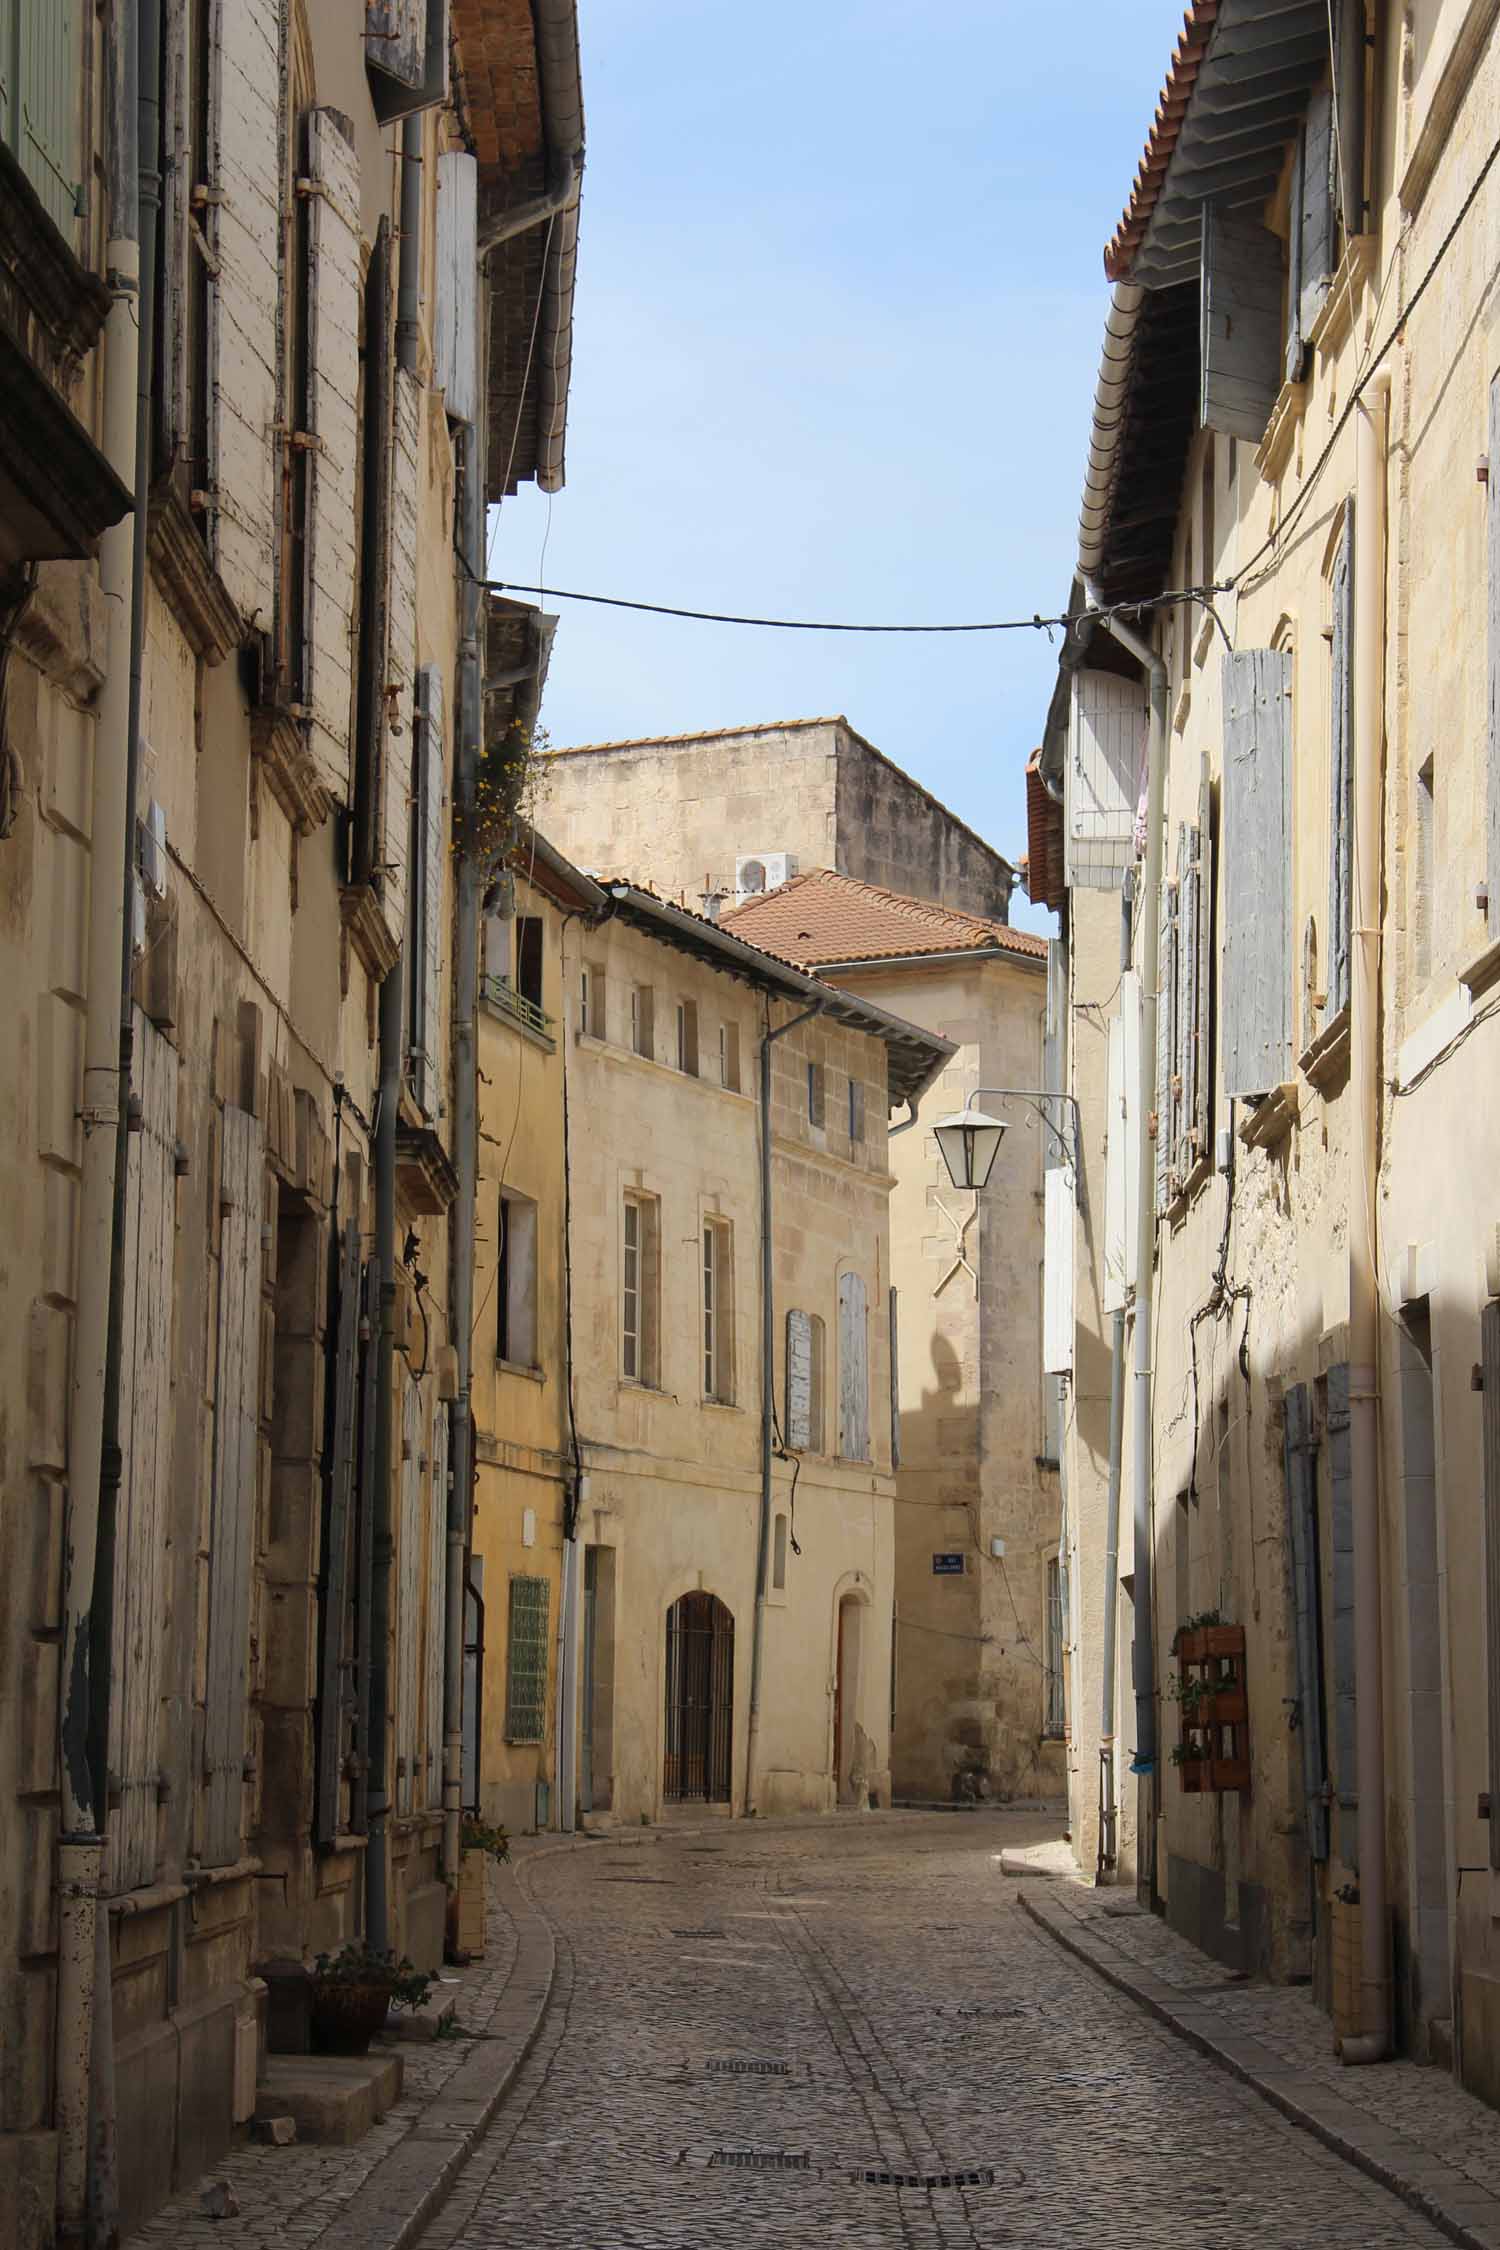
{"points": [[529, 958], [718, 1312], [638, 1291], [642, 1020], [687, 1037], [815, 1095], [1055, 1714], [729, 1056], [856, 1113], [516, 1283], [526, 1661], [592, 1011], [778, 1562]]}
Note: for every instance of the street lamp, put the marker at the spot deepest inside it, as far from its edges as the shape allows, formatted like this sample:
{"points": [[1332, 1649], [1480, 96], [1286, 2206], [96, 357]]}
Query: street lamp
{"points": [[970, 1142]]}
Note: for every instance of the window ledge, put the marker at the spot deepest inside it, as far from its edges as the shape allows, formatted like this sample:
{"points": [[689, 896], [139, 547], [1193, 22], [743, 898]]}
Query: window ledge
{"points": [[367, 932], [520, 1367], [191, 587], [1286, 419], [1483, 971], [280, 747], [721, 1406], [593, 1044], [1272, 1117], [1325, 1060], [1336, 319]]}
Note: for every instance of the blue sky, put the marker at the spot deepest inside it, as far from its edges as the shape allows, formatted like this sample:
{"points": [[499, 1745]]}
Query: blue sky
{"points": [[839, 308]]}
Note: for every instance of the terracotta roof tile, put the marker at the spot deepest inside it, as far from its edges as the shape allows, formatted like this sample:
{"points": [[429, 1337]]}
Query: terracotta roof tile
{"points": [[1197, 30], [821, 918]]}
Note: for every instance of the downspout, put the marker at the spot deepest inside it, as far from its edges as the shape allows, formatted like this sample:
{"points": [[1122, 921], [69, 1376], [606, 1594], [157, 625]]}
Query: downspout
{"points": [[1374, 2041], [569, 1653], [103, 1115], [1148, 910], [1108, 1809], [767, 1388], [506, 225]]}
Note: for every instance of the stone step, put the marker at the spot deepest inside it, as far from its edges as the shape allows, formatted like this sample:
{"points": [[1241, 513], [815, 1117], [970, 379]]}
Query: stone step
{"points": [[421, 2024], [334, 2098]]}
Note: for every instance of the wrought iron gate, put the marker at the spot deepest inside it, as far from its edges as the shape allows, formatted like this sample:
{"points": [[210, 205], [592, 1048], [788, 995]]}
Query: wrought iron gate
{"points": [[700, 1701]]}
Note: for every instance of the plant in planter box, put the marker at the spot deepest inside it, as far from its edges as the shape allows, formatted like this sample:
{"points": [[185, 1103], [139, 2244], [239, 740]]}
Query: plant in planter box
{"points": [[480, 1844], [479, 1836], [354, 1989]]}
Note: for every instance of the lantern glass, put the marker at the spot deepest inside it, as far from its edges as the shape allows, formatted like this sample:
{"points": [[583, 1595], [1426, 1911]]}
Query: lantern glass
{"points": [[970, 1142]]}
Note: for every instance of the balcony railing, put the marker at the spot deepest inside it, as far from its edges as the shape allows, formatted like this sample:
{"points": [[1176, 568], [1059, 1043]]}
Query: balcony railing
{"points": [[505, 996]]}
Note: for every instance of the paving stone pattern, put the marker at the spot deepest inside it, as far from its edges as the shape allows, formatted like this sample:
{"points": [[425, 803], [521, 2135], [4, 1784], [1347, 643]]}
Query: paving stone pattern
{"points": [[927, 2028]]}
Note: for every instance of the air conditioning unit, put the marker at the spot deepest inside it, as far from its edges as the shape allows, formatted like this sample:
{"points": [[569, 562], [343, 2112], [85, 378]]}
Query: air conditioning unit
{"points": [[763, 871]]}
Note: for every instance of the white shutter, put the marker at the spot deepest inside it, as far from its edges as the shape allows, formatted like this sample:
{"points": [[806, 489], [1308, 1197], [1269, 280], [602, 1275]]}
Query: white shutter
{"points": [[1200, 936], [333, 311], [1185, 1108], [1102, 782], [798, 1381], [437, 1558], [854, 1369], [236, 1461], [410, 1557], [1057, 1273], [243, 223], [1255, 948], [428, 921], [401, 647], [1341, 775], [454, 357], [142, 1528], [1118, 1250], [894, 1340]]}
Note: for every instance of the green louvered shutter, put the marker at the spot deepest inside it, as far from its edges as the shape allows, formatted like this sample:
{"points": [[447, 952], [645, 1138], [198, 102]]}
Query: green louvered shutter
{"points": [[41, 71]]}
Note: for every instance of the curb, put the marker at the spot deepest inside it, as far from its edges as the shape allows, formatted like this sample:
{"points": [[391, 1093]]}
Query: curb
{"points": [[1464, 2211]]}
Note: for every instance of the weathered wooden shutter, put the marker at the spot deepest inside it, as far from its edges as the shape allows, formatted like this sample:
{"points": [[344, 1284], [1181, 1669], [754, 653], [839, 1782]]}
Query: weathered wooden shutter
{"points": [[1057, 1272], [1200, 937], [854, 1369], [1345, 1681], [1489, 1345], [1313, 230], [454, 334], [244, 229], [1349, 79], [425, 922], [1341, 775], [1240, 320], [1256, 946], [895, 1342], [235, 1474], [364, 1543], [437, 1556], [396, 38], [410, 1558], [336, 1652], [1301, 1462], [41, 72], [1492, 501], [798, 1381], [333, 292], [1189, 965], [142, 1531], [1166, 1049], [401, 646]]}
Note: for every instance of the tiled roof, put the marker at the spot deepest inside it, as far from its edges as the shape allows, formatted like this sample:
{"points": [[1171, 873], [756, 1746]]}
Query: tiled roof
{"points": [[1197, 28], [822, 918], [698, 734]]}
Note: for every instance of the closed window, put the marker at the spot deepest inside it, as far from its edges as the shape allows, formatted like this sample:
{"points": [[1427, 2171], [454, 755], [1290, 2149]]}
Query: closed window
{"points": [[642, 1020], [516, 1283], [1055, 1714], [856, 1113], [729, 1056], [854, 1369], [778, 1562], [526, 1661], [687, 1037], [528, 969], [718, 1312], [815, 1095], [592, 1011], [638, 1291]]}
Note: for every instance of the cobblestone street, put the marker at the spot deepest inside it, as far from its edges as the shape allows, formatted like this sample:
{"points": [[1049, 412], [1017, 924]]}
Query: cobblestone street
{"points": [[788, 2036]]}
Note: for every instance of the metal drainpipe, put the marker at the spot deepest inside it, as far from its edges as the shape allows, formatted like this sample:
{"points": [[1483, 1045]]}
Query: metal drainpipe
{"points": [[83, 1946], [767, 1390], [1374, 2041], [1108, 1810], [377, 1872], [1143, 1665]]}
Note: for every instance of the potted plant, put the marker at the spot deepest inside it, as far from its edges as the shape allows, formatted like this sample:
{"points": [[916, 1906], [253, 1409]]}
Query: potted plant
{"points": [[479, 1844], [354, 1989], [1191, 1764]]}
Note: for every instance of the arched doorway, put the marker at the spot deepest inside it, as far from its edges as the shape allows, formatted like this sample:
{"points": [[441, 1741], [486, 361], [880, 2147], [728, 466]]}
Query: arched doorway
{"points": [[699, 1762], [851, 1745]]}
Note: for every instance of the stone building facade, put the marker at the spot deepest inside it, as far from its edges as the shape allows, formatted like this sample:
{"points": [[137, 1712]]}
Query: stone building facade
{"points": [[1324, 1460], [225, 1645]]}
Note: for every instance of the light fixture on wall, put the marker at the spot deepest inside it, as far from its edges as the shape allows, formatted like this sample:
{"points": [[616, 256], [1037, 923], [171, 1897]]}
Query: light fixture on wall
{"points": [[970, 1142]]}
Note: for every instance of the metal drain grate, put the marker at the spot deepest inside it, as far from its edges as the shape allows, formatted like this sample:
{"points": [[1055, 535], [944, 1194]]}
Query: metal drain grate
{"points": [[736, 2066], [1006, 2012], [758, 2160], [720, 1934], [982, 2175]]}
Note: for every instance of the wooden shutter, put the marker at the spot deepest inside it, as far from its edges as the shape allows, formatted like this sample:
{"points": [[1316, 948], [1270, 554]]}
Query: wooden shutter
{"points": [[895, 1343], [428, 921], [41, 72], [1349, 78], [854, 1369], [396, 38], [367, 848], [333, 294], [1200, 936], [1240, 320], [798, 1381], [454, 356], [1256, 947], [1102, 781], [401, 647], [1313, 227], [1189, 967], [244, 229], [235, 1467], [336, 1653], [170, 421], [437, 1556], [1166, 1049], [410, 1558], [1492, 499], [143, 1525], [364, 1544], [1489, 1335], [1345, 1681], [1057, 1273], [1341, 774], [1301, 1463]]}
